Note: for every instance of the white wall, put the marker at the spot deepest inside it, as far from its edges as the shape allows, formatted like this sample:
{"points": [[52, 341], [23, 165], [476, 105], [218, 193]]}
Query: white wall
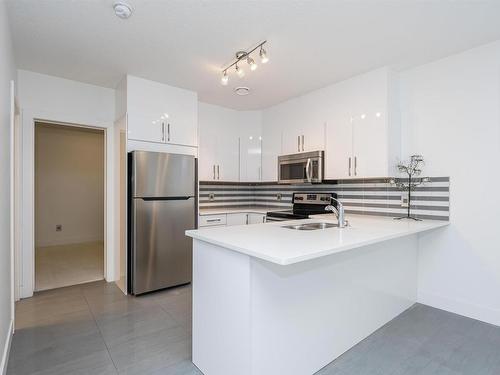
{"points": [[69, 185], [48, 98], [450, 115], [7, 73]]}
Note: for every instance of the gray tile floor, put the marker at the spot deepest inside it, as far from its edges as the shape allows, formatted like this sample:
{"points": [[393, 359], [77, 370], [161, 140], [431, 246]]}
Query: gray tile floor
{"points": [[95, 329]]}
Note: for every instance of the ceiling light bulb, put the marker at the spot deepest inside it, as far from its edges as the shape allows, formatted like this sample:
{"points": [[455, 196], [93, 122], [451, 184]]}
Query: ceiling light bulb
{"points": [[252, 63], [363, 116], [240, 72], [225, 79], [263, 55], [378, 114], [122, 10]]}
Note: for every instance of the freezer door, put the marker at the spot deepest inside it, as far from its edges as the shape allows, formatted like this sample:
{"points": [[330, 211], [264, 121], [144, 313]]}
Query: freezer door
{"points": [[157, 174], [162, 253]]}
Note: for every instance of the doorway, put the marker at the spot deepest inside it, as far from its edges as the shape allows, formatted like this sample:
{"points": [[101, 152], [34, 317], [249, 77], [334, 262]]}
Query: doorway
{"points": [[69, 205]]}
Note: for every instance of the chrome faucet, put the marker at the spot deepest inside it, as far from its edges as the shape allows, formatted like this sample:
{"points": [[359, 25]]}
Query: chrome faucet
{"points": [[338, 212]]}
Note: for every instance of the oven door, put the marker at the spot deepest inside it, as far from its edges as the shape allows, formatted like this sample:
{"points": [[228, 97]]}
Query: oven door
{"points": [[300, 168]]}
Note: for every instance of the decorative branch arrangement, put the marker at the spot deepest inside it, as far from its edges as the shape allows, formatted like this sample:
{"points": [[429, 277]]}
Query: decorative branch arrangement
{"points": [[413, 169]]}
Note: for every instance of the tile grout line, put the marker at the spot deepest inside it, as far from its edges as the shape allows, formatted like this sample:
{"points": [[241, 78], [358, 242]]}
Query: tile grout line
{"points": [[100, 333]]}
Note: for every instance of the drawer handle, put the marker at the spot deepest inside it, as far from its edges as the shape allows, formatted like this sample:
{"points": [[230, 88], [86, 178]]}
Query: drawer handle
{"points": [[212, 220]]}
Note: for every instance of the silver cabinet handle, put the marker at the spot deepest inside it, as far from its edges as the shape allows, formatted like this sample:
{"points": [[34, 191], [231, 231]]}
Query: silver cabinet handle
{"points": [[213, 220], [355, 165], [308, 170], [263, 219], [298, 143], [349, 165], [302, 143], [168, 132], [247, 219], [214, 171], [218, 174], [163, 132]]}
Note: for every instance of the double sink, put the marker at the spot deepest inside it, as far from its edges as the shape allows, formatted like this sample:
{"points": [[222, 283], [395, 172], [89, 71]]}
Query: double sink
{"points": [[310, 226]]}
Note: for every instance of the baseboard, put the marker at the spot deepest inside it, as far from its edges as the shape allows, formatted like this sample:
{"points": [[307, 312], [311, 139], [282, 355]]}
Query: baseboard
{"points": [[6, 349], [482, 313]]}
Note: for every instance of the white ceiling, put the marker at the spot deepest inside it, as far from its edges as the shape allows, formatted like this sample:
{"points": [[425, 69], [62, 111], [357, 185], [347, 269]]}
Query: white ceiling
{"points": [[185, 42]]}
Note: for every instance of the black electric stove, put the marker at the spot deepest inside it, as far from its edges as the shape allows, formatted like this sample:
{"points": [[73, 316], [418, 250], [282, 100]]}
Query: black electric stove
{"points": [[304, 204]]}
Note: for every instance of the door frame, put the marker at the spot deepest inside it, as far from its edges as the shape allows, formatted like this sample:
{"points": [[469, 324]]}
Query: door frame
{"points": [[27, 254], [15, 198]]}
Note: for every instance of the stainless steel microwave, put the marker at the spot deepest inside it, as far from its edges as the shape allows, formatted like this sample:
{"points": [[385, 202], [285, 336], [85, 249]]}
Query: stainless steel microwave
{"points": [[306, 167]]}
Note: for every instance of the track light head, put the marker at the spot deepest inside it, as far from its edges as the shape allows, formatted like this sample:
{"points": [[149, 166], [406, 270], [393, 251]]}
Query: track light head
{"points": [[263, 55], [240, 72], [252, 63], [225, 79]]}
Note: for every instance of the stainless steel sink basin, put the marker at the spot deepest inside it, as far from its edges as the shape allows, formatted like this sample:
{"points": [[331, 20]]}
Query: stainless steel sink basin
{"points": [[310, 226]]}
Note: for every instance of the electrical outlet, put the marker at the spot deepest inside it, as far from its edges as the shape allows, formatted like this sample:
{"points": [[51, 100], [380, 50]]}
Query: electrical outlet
{"points": [[278, 196], [59, 228], [404, 199], [211, 196]]}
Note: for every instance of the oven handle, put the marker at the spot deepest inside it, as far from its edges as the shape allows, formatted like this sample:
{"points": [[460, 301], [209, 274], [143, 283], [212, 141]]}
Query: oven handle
{"points": [[308, 170]]}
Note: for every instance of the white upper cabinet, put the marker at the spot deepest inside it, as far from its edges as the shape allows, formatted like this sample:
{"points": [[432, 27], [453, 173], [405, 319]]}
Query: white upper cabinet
{"points": [[250, 142], [362, 134], [219, 144], [161, 113], [354, 121], [303, 131], [272, 143]]}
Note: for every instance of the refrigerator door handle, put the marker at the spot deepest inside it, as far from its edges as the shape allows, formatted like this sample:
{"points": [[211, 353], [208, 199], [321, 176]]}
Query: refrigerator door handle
{"points": [[182, 198]]}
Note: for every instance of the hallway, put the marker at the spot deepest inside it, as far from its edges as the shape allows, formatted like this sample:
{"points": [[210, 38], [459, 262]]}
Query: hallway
{"points": [[65, 265]]}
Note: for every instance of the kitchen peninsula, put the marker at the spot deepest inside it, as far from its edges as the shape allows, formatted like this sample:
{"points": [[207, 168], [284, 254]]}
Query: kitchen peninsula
{"points": [[268, 299]]}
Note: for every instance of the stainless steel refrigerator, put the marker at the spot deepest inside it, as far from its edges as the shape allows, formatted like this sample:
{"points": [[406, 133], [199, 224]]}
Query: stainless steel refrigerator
{"points": [[163, 202]]}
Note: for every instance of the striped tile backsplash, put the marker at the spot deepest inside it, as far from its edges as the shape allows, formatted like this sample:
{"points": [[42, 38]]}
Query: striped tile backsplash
{"points": [[364, 196]]}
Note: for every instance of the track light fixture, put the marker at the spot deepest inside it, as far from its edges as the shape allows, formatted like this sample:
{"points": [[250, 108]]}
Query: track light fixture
{"points": [[241, 57]]}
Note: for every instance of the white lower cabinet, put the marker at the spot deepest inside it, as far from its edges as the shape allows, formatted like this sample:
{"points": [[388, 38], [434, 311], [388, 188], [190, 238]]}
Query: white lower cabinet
{"points": [[240, 218], [254, 218], [237, 219], [211, 220]]}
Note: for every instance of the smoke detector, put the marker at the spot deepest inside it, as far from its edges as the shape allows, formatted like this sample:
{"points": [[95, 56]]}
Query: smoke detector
{"points": [[122, 10], [242, 91]]}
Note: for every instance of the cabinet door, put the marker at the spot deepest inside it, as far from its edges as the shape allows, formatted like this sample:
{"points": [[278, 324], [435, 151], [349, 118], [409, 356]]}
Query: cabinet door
{"points": [[182, 122], [250, 158], [313, 137], [237, 219], [292, 140], [178, 106], [256, 218], [370, 148], [338, 148], [227, 154], [147, 128], [271, 148], [207, 153]]}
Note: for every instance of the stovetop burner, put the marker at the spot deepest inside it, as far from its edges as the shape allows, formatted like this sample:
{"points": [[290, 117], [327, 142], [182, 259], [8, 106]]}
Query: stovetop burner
{"points": [[304, 204]]}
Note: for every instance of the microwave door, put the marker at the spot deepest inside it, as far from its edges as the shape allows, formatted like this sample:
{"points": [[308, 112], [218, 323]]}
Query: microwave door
{"points": [[293, 171]]}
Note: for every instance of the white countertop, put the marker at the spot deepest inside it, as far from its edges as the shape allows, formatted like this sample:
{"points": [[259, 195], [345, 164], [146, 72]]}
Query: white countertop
{"points": [[284, 246], [236, 210]]}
